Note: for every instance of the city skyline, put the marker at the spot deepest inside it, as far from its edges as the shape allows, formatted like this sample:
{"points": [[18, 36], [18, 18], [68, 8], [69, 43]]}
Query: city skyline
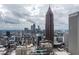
{"points": [[19, 16]]}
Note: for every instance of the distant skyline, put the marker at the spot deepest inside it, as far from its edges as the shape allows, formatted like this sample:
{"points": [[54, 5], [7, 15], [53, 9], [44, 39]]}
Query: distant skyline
{"points": [[19, 16]]}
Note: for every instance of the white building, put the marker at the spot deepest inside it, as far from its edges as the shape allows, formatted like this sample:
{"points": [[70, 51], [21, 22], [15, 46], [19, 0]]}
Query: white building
{"points": [[74, 33], [66, 40]]}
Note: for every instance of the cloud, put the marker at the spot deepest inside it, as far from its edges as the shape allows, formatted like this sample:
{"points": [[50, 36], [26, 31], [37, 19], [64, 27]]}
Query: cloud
{"points": [[18, 16]]}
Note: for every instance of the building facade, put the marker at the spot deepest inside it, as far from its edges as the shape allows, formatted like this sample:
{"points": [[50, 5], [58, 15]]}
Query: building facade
{"points": [[74, 33], [49, 26]]}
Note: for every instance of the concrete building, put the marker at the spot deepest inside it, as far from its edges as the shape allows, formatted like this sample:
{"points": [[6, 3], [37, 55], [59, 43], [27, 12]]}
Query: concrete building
{"points": [[21, 50], [66, 41], [33, 28], [26, 30], [74, 33]]}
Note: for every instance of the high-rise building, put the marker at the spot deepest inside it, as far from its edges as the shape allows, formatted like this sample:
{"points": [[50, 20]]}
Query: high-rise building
{"points": [[49, 26], [38, 30], [26, 30], [8, 33], [74, 33], [33, 28]]}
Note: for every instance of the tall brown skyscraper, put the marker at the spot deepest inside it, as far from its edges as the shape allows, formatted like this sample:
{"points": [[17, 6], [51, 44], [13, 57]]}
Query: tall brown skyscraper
{"points": [[49, 26]]}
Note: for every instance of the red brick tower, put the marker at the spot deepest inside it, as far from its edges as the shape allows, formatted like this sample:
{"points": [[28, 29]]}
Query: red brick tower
{"points": [[49, 26]]}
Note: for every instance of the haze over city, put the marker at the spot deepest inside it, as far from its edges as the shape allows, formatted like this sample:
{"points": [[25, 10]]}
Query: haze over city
{"points": [[19, 16], [39, 29]]}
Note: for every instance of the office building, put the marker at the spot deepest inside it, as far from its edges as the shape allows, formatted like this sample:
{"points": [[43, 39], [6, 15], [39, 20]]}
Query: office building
{"points": [[74, 33], [49, 26]]}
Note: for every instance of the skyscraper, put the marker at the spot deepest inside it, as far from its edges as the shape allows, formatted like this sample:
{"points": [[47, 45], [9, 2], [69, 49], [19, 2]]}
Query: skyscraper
{"points": [[33, 29], [49, 26], [8, 33], [73, 41], [26, 30]]}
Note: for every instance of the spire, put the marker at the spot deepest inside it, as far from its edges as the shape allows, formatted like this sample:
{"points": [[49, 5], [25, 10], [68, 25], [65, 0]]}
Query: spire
{"points": [[49, 7], [49, 10]]}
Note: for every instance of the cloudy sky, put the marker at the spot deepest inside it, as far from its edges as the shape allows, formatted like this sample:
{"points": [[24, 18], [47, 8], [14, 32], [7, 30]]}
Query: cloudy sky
{"points": [[19, 16]]}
